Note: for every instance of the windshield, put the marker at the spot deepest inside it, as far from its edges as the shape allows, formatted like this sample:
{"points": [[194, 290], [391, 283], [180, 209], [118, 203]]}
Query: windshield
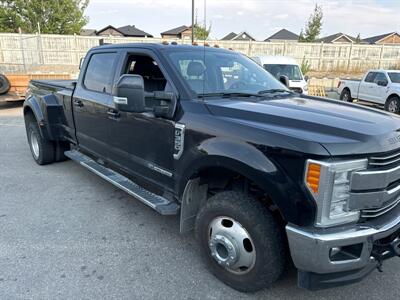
{"points": [[291, 71], [213, 72], [394, 77]]}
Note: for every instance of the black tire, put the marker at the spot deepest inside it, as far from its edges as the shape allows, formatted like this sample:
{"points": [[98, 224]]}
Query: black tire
{"points": [[44, 152], [4, 84], [346, 96], [393, 105], [266, 236]]}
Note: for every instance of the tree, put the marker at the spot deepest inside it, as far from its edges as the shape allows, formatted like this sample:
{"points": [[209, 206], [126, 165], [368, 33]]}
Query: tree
{"points": [[53, 16], [358, 39], [200, 31], [313, 26]]}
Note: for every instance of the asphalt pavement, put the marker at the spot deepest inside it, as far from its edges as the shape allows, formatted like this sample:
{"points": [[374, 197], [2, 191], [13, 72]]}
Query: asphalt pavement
{"points": [[67, 234]]}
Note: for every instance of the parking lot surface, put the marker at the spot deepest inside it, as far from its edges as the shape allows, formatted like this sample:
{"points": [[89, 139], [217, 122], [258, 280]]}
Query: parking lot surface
{"points": [[67, 234]]}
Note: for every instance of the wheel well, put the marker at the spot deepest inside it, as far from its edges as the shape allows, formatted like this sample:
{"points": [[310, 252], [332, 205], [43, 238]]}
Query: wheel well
{"points": [[346, 89], [220, 179], [28, 113], [393, 96]]}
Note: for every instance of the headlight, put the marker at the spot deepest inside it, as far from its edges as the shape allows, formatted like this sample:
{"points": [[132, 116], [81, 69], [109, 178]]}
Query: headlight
{"points": [[305, 88], [329, 184]]}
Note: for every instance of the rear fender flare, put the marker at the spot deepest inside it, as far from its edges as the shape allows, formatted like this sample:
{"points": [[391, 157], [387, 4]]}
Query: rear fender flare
{"points": [[39, 107]]}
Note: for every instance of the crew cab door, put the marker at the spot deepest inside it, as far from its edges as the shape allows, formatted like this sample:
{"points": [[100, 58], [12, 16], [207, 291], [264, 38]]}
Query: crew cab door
{"points": [[139, 142], [92, 103], [366, 88]]}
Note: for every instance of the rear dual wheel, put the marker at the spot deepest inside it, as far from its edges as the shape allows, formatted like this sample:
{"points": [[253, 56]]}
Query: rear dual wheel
{"points": [[241, 242], [43, 150], [346, 96]]}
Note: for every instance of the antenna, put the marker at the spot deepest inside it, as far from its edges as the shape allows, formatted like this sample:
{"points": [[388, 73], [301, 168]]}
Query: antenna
{"points": [[204, 46], [192, 22]]}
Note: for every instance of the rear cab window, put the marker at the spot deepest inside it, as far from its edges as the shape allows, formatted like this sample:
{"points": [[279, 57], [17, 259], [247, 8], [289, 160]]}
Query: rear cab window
{"points": [[370, 77], [100, 72]]}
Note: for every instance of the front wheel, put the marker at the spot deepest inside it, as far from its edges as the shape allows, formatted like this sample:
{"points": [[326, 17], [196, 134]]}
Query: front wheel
{"points": [[241, 242], [393, 105]]}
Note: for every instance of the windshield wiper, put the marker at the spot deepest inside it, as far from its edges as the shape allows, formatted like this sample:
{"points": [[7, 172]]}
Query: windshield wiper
{"points": [[228, 94], [274, 91]]}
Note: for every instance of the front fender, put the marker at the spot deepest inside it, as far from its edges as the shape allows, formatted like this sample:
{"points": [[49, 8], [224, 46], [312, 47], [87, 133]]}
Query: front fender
{"points": [[250, 162]]}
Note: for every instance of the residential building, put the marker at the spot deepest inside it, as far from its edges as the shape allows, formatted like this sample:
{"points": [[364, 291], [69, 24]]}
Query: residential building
{"points": [[283, 35], [88, 32], [243, 36], [388, 38], [338, 38], [126, 31], [181, 32]]}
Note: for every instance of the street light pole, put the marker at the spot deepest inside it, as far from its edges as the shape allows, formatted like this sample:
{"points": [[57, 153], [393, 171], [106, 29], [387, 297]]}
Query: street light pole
{"points": [[192, 22]]}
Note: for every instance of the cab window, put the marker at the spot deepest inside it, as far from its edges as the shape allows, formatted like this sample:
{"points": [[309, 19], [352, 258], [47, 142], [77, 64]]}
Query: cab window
{"points": [[99, 72]]}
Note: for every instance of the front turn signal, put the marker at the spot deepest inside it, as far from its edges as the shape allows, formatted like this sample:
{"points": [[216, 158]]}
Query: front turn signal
{"points": [[313, 177]]}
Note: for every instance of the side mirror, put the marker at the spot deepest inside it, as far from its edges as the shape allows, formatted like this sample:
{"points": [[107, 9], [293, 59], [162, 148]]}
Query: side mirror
{"points": [[306, 78], [382, 83], [285, 80], [167, 107], [129, 93], [81, 60]]}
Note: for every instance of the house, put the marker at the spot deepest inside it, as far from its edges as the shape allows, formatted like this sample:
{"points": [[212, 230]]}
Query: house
{"points": [[181, 32], [88, 32], [243, 36], [126, 31], [388, 38], [338, 38], [283, 35]]}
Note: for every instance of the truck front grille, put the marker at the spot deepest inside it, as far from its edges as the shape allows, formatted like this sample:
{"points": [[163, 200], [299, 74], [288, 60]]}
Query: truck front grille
{"points": [[376, 191], [385, 160], [373, 213]]}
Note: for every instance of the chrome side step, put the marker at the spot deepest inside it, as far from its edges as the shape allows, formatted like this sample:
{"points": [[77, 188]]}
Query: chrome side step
{"points": [[156, 202]]}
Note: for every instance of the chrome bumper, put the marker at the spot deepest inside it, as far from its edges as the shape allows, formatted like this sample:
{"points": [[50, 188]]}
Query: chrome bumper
{"points": [[311, 248]]}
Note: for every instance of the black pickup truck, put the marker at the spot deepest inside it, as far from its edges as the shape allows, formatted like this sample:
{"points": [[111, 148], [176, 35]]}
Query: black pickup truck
{"points": [[263, 175]]}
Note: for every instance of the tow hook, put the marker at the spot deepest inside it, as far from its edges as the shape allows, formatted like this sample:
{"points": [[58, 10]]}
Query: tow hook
{"points": [[385, 251]]}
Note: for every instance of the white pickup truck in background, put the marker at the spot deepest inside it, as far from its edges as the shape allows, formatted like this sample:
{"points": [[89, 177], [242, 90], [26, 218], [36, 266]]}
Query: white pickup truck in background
{"points": [[377, 86]]}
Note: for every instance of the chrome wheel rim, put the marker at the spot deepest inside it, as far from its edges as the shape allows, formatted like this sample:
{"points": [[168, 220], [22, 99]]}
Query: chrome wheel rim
{"points": [[231, 245], [393, 106], [34, 144]]}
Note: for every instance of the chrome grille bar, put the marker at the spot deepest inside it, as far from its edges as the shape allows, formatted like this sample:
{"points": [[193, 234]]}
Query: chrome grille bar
{"points": [[373, 213]]}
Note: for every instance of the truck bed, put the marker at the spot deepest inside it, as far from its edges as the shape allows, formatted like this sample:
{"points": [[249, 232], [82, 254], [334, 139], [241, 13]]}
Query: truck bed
{"points": [[57, 84]]}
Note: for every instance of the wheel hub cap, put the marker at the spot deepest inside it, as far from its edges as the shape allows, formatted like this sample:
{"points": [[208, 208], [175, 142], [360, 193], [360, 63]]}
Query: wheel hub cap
{"points": [[223, 250], [393, 106], [34, 144], [231, 245]]}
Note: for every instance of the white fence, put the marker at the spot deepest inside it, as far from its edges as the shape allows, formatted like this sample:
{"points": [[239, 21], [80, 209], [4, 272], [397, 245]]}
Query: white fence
{"points": [[25, 52]]}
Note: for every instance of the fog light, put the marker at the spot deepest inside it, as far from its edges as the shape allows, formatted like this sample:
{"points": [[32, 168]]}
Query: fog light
{"points": [[334, 251]]}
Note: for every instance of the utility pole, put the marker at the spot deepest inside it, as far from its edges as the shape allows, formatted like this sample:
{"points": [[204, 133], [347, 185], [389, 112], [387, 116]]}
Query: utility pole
{"points": [[192, 22]]}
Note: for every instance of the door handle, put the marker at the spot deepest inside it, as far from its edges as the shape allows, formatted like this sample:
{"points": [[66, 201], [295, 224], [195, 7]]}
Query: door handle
{"points": [[113, 114], [78, 102]]}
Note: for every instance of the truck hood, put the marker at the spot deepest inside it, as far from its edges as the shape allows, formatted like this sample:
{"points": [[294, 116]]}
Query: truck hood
{"points": [[301, 122]]}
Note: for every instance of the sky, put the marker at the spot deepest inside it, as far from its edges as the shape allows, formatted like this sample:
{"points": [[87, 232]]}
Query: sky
{"points": [[261, 18]]}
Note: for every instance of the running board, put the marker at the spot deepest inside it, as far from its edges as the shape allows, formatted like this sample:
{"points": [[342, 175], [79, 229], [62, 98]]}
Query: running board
{"points": [[156, 202]]}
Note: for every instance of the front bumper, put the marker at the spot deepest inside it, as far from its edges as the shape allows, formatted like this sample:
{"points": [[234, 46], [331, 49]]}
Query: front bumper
{"points": [[346, 254]]}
